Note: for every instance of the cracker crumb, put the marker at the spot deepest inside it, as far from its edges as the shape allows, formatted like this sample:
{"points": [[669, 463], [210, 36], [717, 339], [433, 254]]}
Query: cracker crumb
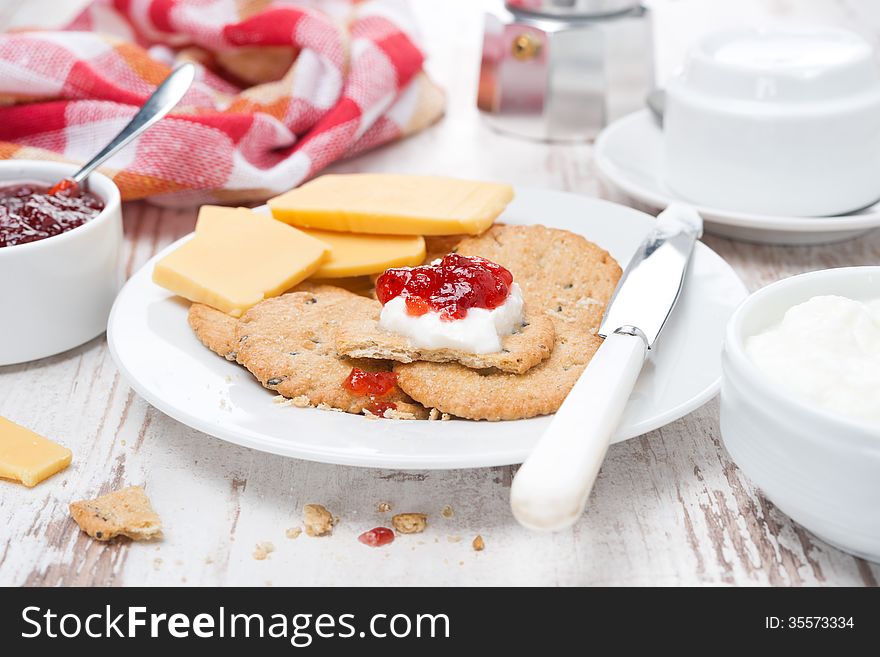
{"points": [[478, 544], [122, 442], [435, 414], [369, 416], [327, 407], [409, 523], [453, 539], [157, 563], [209, 561], [263, 550], [392, 414], [299, 402], [317, 519], [293, 532], [383, 507], [447, 512]]}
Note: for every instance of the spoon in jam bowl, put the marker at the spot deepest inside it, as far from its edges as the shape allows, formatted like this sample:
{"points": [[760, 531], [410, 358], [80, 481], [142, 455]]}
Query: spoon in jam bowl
{"points": [[160, 102]]}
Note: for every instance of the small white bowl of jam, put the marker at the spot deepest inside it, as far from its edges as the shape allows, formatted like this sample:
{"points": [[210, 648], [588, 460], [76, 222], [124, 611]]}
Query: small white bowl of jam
{"points": [[60, 259], [800, 401]]}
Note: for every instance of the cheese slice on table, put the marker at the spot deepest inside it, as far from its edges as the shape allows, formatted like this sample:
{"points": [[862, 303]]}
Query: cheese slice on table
{"points": [[393, 204], [27, 457], [353, 254], [237, 258]]}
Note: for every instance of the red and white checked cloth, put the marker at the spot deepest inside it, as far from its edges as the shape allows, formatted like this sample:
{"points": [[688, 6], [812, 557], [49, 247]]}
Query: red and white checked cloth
{"points": [[283, 90]]}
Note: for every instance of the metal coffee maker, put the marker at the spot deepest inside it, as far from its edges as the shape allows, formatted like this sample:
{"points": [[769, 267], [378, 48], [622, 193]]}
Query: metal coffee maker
{"points": [[560, 70]]}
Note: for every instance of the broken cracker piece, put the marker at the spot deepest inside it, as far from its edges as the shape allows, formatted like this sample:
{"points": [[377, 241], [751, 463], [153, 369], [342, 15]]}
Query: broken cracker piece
{"points": [[317, 519], [478, 544], [125, 512], [409, 523], [520, 352], [383, 507]]}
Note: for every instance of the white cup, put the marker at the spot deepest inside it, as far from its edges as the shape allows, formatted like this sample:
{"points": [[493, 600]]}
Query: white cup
{"points": [[777, 121], [56, 293]]}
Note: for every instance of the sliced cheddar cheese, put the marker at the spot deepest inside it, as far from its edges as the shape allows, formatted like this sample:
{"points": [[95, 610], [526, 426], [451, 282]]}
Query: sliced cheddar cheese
{"points": [[353, 254], [393, 204], [237, 258], [27, 457]]}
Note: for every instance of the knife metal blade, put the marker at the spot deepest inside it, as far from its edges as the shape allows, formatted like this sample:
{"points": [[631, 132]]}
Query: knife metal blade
{"points": [[652, 281]]}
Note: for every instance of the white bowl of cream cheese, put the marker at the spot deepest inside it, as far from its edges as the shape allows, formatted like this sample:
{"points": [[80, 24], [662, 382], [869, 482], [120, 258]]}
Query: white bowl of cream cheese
{"points": [[800, 401]]}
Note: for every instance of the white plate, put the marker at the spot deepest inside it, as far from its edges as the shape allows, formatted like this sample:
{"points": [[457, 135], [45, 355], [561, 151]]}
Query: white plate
{"points": [[160, 357], [629, 154]]}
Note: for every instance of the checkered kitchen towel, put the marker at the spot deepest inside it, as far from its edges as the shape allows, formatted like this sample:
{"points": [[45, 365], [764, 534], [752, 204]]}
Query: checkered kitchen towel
{"points": [[283, 90]]}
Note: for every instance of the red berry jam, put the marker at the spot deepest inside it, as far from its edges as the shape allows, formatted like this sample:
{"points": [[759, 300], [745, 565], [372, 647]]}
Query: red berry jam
{"points": [[373, 384], [377, 537], [31, 212], [450, 287]]}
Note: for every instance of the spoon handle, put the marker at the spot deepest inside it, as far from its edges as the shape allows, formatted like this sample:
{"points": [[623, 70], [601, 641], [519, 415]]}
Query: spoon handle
{"points": [[163, 99]]}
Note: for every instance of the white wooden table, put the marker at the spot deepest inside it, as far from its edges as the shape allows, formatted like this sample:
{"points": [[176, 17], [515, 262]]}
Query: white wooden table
{"points": [[668, 508]]}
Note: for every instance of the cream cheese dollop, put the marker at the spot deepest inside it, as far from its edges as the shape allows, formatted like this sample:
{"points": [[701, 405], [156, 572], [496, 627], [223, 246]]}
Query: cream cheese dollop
{"points": [[478, 332], [827, 352]]}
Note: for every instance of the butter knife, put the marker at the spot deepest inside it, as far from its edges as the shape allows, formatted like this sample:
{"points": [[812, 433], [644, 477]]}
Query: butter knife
{"points": [[551, 488]]}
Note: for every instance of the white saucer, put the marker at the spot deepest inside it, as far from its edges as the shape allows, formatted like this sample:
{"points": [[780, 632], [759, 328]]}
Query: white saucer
{"points": [[162, 360], [629, 154]]}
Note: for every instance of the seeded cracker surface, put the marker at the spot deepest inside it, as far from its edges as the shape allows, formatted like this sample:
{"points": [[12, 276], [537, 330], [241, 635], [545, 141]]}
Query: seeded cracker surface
{"points": [[289, 344], [214, 329], [563, 276]]}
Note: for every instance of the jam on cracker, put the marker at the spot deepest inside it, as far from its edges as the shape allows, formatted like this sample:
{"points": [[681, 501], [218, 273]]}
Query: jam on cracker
{"points": [[373, 385], [30, 211], [449, 287]]}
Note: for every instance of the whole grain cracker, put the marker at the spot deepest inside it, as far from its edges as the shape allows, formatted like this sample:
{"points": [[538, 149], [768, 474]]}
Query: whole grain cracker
{"points": [[437, 246], [289, 344], [561, 274], [520, 351], [125, 512], [214, 329]]}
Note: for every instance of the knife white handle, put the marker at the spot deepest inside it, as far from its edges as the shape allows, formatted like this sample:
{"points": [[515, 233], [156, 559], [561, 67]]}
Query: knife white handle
{"points": [[551, 488]]}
